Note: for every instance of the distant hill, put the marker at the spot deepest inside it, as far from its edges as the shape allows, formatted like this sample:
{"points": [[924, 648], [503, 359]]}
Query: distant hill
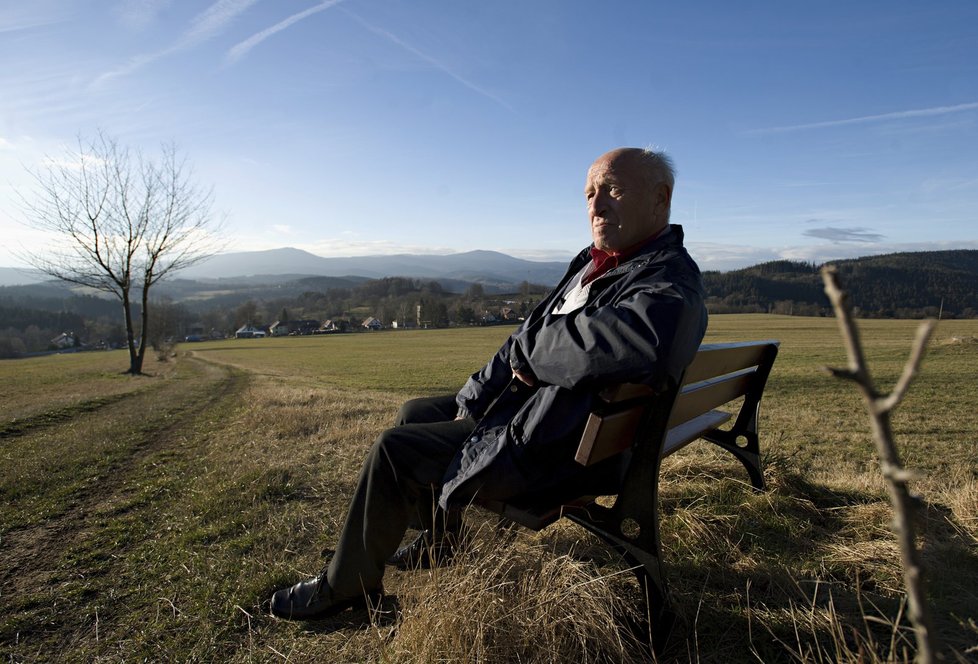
{"points": [[490, 268], [496, 271], [12, 276], [902, 285]]}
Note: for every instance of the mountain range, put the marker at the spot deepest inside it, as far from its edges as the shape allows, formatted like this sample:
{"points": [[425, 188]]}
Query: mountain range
{"points": [[496, 271], [486, 267]]}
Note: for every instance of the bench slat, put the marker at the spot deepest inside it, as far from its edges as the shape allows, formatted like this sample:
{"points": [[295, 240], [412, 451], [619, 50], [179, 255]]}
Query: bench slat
{"points": [[718, 359], [682, 435], [707, 395], [608, 435]]}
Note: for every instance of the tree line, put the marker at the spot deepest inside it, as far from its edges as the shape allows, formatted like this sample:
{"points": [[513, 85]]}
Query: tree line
{"points": [[901, 285], [32, 322]]}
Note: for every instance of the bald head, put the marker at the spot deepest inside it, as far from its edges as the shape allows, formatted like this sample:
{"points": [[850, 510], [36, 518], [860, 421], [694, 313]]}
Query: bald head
{"points": [[629, 193]]}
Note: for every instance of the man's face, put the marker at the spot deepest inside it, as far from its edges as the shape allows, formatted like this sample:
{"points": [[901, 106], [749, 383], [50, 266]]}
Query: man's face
{"points": [[622, 207]]}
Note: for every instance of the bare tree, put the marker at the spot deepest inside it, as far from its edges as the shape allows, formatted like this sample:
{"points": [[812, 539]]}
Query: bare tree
{"points": [[123, 223]]}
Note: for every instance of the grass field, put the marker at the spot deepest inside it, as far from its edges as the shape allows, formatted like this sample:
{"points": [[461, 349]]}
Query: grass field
{"points": [[150, 518]]}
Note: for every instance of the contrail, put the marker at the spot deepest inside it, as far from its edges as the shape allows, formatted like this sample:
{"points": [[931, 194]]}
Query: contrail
{"points": [[896, 115], [239, 50], [204, 26], [427, 58]]}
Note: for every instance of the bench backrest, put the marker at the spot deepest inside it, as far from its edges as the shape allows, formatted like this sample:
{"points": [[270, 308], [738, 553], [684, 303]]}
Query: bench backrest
{"points": [[719, 374]]}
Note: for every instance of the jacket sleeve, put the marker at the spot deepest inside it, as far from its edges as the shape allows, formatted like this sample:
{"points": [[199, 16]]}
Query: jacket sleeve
{"points": [[652, 330], [482, 387]]}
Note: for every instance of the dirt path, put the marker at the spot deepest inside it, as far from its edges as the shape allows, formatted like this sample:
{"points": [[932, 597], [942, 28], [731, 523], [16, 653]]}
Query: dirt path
{"points": [[149, 425]]}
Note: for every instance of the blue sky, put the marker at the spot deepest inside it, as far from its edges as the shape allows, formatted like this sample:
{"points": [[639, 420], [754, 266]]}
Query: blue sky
{"points": [[808, 131]]}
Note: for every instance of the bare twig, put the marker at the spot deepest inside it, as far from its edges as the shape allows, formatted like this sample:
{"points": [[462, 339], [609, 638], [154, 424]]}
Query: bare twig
{"points": [[879, 408], [251, 642], [911, 367]]}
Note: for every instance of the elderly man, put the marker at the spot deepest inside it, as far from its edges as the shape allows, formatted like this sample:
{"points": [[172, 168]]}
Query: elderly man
{"points": [[629, 309]]}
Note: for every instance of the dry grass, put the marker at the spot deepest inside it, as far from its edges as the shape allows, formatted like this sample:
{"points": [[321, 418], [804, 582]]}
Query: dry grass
{"points": [[59, 385], [529, 600]]}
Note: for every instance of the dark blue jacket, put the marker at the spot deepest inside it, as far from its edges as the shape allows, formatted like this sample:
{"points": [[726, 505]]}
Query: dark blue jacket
{"points": [[642, 323]]}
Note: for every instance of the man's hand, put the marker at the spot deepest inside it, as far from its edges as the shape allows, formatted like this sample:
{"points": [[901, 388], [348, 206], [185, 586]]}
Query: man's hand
{"points": [[525, 378]]}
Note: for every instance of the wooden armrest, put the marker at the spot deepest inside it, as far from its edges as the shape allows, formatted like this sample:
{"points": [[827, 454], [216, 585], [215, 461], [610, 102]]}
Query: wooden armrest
{"points": [[607, 435]]}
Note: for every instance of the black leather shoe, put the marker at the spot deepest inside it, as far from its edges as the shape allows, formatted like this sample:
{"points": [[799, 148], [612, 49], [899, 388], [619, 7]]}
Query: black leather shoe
{"points": [[313, 600], [422, 553]]}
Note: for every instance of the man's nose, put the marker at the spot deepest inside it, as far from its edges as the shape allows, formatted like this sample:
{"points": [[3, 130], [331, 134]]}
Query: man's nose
{"points": [[597, 206]]}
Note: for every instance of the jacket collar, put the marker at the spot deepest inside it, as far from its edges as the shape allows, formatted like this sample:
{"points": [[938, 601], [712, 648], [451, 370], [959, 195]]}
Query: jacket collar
{"points": [[672, 237]]}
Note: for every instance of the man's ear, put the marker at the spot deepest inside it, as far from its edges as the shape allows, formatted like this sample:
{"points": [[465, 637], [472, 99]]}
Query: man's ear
{"points": [[663, 198]]}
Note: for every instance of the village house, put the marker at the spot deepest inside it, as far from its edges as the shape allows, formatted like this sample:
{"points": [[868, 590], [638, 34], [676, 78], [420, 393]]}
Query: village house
{"points": [[328, 326], [507, 313], [281, 328], [65, 340], [250, 331]]}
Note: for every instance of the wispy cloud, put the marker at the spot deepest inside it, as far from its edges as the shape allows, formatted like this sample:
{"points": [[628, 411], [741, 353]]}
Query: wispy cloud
{"points": [[716, 256], [139, 14], [798, 184], [344, 246], [836, 235], [437, 64], [26, 25], [239, 50], [937, 185], [204, 26], [882, 117], [16, 16]]}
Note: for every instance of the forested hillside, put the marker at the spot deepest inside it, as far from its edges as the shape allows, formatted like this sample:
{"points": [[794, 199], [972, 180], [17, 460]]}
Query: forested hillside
{"points": [[904, 285]]}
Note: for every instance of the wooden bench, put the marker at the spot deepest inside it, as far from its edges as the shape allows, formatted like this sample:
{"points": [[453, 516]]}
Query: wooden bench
{"points": [[642, 427]]}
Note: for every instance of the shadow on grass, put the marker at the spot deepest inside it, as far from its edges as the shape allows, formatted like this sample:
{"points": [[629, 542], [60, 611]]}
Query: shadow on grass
{"points": [[800, 571]]}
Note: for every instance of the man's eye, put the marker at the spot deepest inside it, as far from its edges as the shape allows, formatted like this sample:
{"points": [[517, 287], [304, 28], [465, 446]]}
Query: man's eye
{"points": [[615, 191]]}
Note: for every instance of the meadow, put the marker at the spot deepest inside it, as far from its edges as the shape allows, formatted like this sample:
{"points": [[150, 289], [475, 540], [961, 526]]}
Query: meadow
{"points": [[151, 517]]}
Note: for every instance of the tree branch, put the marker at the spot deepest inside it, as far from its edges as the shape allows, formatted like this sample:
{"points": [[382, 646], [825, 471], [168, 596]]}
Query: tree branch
{"points": [[895, 476], [912, 366]]}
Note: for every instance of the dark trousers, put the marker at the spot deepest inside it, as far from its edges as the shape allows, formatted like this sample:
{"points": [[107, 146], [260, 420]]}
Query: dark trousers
{"points": [[398, 488]]}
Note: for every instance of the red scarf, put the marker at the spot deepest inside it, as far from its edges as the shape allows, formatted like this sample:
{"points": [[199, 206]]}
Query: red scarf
{"points": [[603, 261]]}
